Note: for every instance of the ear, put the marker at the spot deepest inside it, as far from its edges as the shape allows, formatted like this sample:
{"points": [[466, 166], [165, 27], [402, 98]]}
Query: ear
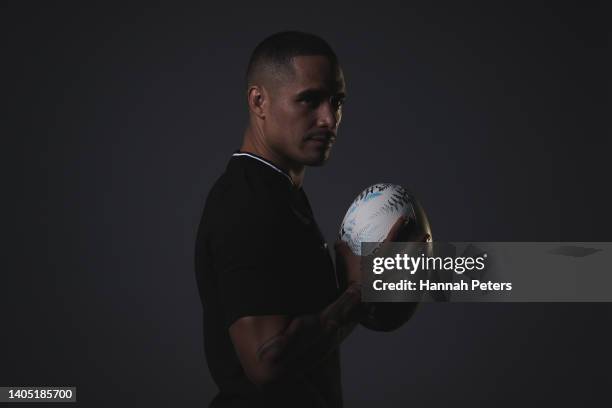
{"points": [[257, 98]]}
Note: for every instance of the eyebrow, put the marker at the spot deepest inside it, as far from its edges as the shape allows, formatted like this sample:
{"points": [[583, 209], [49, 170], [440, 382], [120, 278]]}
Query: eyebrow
{"points": [[318, 93]]}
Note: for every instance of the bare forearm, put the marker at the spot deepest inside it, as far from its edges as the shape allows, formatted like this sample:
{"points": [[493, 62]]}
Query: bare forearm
{"points": [[309, 339]]}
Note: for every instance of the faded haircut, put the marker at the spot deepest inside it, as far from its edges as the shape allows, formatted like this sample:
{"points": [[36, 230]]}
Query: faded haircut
{"points": [[272, 57]]}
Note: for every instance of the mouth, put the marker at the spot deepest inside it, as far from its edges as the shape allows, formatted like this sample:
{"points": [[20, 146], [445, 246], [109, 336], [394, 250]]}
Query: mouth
{"points": [[323, 138]]}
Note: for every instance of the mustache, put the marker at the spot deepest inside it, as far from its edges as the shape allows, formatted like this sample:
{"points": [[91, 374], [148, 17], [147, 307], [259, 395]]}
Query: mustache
{"points": [[322, 135]]}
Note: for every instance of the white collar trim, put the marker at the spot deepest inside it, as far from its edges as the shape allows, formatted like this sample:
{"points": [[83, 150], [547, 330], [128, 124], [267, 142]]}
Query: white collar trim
{"points": [[264, 162]]}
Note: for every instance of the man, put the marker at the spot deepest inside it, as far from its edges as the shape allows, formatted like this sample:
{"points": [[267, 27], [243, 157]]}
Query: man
{"points": [[275, 310]]}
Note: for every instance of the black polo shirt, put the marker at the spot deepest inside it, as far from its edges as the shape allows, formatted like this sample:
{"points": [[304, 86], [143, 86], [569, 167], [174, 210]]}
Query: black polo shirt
{"points": [[259, 252]]}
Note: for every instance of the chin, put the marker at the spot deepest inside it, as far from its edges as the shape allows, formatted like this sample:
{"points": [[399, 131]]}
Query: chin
{"points": [[318, 159]]}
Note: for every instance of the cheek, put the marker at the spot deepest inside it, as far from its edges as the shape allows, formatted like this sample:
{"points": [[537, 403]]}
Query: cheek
{"points": [[289, 122], [282, 114], [296, 120]]}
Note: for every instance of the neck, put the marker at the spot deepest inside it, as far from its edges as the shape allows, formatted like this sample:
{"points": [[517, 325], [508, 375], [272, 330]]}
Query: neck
{"points": [[255, 145]]}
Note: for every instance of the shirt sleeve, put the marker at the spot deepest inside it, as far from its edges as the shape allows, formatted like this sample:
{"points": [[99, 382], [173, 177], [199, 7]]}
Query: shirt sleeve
{"points": [[253, 260]]}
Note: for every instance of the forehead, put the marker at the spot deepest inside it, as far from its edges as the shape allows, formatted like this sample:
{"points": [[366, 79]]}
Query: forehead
{"points": [[316, 71]]}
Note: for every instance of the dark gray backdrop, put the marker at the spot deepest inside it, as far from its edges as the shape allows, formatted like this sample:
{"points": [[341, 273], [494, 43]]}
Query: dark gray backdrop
{"points": [[120, 119]]}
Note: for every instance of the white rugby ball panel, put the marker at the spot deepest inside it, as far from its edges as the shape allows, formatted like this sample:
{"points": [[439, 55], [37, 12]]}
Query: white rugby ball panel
{"points": [[373, 213]]}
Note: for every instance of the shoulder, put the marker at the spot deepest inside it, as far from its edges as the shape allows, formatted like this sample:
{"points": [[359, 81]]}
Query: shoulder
{"points": [[239, 192], [240, 203]]}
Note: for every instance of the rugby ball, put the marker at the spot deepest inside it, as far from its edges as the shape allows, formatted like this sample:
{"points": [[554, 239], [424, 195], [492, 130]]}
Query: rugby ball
{"points": [[374, 211]]}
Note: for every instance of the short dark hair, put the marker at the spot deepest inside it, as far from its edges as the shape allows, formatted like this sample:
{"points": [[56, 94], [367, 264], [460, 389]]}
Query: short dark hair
{"points": [[274, 54]]}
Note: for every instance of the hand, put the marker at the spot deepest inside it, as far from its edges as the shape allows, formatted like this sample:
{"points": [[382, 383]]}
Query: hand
{"points": [[409, 232], [348, 265]]}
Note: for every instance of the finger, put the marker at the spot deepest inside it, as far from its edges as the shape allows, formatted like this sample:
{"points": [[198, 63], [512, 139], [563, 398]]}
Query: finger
{"points": [[395, 229], [342, 248], [345, 255]]}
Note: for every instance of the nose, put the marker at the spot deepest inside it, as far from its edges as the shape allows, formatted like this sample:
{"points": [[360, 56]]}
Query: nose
{"points": [[328, 116]]}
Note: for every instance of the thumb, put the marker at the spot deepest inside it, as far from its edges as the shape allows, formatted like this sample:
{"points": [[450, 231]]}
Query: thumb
{"points": [[395, 229]]}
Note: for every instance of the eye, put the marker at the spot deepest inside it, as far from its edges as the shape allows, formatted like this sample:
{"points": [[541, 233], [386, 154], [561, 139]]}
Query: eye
{"points": [[338, 102], [309, 100]]}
